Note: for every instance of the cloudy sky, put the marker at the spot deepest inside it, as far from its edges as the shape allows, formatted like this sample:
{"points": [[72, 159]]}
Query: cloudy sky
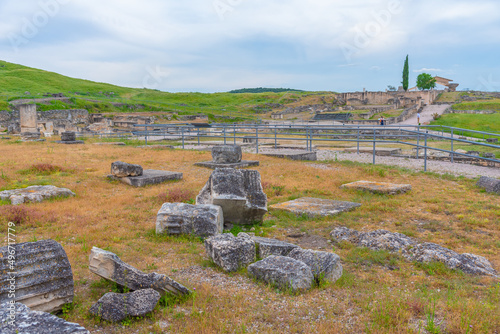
{"points": [[219, 45]]}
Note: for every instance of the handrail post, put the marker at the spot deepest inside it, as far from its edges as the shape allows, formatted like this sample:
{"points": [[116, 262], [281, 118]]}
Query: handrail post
{"points": [[224, 130], [275, 138], [146, 128], [234, 133], [358, 139], [374, 139], [418, 141], [257, 139], [425, 154], [182, 132], [198, 136], [451, 156]]}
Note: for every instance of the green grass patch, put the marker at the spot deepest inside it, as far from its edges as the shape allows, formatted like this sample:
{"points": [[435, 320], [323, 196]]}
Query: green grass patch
{"points": [[478, 105], [367, 257], [477, 122]]}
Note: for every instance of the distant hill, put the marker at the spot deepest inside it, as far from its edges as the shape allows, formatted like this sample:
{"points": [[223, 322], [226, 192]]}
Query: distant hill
{"points": [[264, 90]]}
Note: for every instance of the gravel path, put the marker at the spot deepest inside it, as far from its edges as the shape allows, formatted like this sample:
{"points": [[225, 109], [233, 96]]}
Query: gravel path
{"points": [[441, 167], [425, 115]]}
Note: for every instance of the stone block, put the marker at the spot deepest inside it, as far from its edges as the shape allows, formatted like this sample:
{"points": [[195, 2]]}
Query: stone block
{"points": [[492, 140], [316, 206], [267, 247], [283, 272], [109, 266], [226, 154], [324, 265], [116, 307], [241, 164], [34, 194], [490, 184], [43, 279], [31, 322], [238, 192], [229, 252], [149, 177], [123, 169], [378, 187], [181, 218], [294, 155], [68, 136]]}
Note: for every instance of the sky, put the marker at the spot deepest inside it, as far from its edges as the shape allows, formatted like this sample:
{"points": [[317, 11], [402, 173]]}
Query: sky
{"points": [[220, 45]]}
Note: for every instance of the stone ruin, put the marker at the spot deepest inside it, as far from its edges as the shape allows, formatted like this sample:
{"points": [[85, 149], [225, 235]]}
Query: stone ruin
{"points": [[491, 185], [135, 175], [34, 194], [316, 206], [239, 192], [69, 138], [28, 120], [227, 156]]}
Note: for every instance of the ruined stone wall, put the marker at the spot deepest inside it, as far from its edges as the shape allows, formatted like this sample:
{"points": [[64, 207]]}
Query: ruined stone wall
{"points": [[364, 98]]}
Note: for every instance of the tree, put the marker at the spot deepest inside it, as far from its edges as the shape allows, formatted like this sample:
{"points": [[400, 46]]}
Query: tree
{"points": [[425, 81], [406, 75], [391, 88]]}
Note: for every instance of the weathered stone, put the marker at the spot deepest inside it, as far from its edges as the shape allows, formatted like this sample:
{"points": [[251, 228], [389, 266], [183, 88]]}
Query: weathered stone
{"points": [[490, 184], [30, 136], [226, 154], [123, 169], [267, 247], [181, 218], [34, 194], [116, 307], [283, 272], [378, 187], [294, 154], [27, 321], [315, 206], [414, 251], [109, 266], [489, 155], [324, 265], [43, 279], [229, 252], [241, 164], [475, 153], [492, 140], [238, 192], [148, 177], [68, 136]]}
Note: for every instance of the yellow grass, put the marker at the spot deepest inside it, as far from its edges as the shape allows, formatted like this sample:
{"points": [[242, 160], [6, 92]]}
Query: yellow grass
{"points": [[368, 298]]}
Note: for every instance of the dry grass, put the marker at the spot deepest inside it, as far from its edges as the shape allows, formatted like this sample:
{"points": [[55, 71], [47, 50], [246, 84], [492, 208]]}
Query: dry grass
{"points": [[378, 293]]}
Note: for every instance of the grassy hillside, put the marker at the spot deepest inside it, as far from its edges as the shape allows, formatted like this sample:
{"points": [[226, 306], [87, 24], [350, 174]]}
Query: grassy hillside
{"points": [[15, 80], [493, 104]]}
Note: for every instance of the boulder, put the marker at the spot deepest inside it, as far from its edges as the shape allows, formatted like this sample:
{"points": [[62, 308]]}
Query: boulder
{"points": [[414, 251], [181, 218], [475, 153], [324, 265], [316, 206], [34, 194], [283, 272], [226, 154], [229, 252], [17, 318], [123, 169], [116, 307], [109, 266], [41, 275], [490, 184], [267, 247], [238, 192]]}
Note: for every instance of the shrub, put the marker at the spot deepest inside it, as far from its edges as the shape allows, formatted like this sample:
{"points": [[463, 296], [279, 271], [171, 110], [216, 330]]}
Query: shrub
{"points": [[43, 169], [176, 195]]}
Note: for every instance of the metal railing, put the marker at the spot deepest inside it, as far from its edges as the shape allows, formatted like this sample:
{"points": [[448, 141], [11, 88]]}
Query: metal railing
{"points": [[421, 138]]}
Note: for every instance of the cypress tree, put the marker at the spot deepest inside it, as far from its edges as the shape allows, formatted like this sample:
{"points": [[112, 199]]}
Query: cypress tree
{"points": [[406, 75]]}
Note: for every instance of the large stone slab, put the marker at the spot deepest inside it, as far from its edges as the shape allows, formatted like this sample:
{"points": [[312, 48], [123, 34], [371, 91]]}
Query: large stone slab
{"points": [[40, 273], [116, 307], [283, 272], [316, 206], [490, 184], [123, 169], [34, 194], [378, 187], [238, 192], [324, 265], [109, 266], [267, 247], [414, 251], [31, 322], [381, 151], [149, 177], [229, 252], [226, 154], [293, 154], [181, 218], [241, 164], [75, 142]]}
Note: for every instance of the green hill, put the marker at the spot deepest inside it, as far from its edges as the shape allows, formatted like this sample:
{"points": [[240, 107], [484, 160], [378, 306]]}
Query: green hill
{"points": [[15, 80]]}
